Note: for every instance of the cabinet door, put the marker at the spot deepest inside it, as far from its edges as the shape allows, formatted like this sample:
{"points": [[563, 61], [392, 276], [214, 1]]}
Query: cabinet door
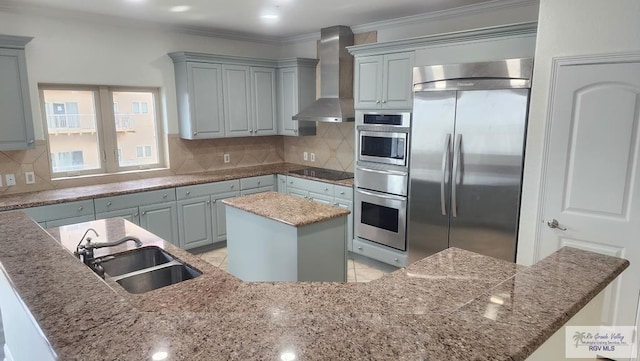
{"points": [[219, 213], [194, 222], [281, 183], [237, 100], [347, 204], [15, 117], [288, 92], [130, 214], [263, 94], [161, 220], [368, 82], [297, 192], [205, 88], [397, 80]]}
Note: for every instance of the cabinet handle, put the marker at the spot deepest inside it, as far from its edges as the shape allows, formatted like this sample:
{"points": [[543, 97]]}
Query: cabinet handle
{"points": [[360, 248], [195, 133], [31, 141], [295, 131], [136, 214], [259, 182], [384, 101], [395, 260], [144, 213], [109, 204], [290, 182], [232, 186], [165, 195], [80, 208], [326, 189], [208, 202], [188, 192], [377, 102], [215, 201], [336, 204], [342, 192]]}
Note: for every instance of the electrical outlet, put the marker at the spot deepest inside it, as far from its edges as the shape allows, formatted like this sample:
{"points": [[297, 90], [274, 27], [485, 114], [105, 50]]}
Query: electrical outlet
{"points": [[1, 180], [11, 179], [227, 159], [305, 156], [29, 177], [312, 157]]}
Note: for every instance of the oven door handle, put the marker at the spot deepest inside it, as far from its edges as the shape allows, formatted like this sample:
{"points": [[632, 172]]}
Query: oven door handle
{"points": [[445, 163], [456, 169], [381, 195], [393, 172]]}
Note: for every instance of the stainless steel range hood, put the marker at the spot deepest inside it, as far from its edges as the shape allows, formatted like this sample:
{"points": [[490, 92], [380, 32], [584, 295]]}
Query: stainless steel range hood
{"points": [[336, 79]]}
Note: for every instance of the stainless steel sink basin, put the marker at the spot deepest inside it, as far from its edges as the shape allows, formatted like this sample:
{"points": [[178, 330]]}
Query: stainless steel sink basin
{"points": [[158, 277], [119, 264]]}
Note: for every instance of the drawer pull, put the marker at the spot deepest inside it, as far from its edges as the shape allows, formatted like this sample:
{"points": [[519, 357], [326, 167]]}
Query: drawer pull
{"points": [[165, 195], [360, 248], [326, 189], [259, 182], [208, 202], [136, 214], [109, 204], [188, 192], [232, 186], [290, 182], [342, 192], [144, 213], [80, 208]]}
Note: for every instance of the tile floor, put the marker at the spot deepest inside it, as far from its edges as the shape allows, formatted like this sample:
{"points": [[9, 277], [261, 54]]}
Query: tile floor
{"points": [[360, 269]]}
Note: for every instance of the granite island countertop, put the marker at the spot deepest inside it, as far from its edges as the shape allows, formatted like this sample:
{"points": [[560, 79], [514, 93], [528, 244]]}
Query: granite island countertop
{"points": [[41, 198], [431, 310], [290, 210]]}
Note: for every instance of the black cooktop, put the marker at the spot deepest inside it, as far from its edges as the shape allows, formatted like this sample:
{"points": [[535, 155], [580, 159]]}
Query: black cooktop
{"points": [[322, 173]]}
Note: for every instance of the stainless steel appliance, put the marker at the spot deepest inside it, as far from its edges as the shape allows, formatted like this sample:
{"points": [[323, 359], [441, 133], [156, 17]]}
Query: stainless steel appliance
{"points": [[468, 133], [381, 177]]}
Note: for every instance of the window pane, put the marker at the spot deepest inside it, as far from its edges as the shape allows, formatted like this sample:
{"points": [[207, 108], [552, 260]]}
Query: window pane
{"points": [[71, 124], [134, 128]]}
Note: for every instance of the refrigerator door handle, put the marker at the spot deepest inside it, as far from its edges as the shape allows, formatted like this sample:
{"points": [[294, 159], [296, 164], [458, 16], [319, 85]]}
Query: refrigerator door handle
{"points": [[445, 163], [456, 170]]}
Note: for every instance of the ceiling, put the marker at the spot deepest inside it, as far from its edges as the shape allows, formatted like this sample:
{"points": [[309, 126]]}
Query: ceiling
{"points": [[296, 17]]}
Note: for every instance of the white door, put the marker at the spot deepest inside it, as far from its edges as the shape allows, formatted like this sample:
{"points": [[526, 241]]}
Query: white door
{"points": [[592, 185]]}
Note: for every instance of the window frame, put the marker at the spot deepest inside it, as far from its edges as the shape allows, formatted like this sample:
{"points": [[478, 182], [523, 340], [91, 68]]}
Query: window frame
{"points": [[106, 133]]}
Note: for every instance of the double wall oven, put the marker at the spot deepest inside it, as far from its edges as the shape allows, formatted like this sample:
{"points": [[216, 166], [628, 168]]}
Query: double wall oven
{"points": [[381, 177]]}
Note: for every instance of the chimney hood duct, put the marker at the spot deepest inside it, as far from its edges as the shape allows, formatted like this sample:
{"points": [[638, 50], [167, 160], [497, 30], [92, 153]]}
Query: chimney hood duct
{"points": [[336, 79]]}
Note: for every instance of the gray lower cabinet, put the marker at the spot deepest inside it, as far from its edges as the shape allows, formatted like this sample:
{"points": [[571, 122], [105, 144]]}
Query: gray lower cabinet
{"points": [[194, 222], [62, 214], [154, 211], [15, 102], [219, 214], [321, 192]]}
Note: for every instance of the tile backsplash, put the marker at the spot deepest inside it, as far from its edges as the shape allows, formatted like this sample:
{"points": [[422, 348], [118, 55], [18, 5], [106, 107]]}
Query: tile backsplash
{"points": [[333, 147]]}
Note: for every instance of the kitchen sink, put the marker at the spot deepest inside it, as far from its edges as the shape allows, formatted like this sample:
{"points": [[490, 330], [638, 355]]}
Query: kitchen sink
{"points": [[157, 278], [119, 264]]}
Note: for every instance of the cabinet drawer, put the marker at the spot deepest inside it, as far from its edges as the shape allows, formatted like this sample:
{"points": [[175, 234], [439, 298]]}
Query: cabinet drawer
{"points": [[256, 190], [256, 182], [310, 185], [343, 192], [134, 200], [380, 253], [206, 189], [60, 211]]}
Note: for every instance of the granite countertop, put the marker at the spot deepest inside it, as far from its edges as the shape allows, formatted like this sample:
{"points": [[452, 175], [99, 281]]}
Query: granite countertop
{"points": [[434, 309], [294, 211], [41, 198]]}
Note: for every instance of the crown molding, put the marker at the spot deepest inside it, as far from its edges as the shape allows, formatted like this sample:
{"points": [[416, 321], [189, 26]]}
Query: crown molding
{"points": [[501, 31], [444, 14], [493, 5], [14, 42]]}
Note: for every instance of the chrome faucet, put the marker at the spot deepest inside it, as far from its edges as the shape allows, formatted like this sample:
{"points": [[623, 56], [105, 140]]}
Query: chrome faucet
{"points": [[86, 250]]}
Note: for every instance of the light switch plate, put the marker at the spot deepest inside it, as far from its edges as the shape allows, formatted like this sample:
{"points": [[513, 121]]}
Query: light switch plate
{"points": [[227, 159], [305, 156], [11, 179], [312, 157], [30, 177]]}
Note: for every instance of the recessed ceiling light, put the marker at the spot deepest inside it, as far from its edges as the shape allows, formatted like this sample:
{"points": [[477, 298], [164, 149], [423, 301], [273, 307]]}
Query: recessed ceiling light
{"points": [[159, 356], [180, 8], [270, 15]]}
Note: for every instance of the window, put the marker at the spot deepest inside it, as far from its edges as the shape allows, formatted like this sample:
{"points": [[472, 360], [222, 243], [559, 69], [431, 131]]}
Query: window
{"points": [[91, 131]]}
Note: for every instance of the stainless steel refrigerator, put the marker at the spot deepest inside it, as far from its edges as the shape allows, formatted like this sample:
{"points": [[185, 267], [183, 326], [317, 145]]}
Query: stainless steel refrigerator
{"points": [[466, 160]]}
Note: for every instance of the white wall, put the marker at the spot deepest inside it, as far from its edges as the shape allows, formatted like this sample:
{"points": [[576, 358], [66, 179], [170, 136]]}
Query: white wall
{"points": [[565, 28], [97, 51]]}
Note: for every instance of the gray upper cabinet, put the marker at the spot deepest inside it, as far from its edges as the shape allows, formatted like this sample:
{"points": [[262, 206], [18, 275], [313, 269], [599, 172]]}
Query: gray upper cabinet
{"points": [[296, 90], [263, 95], [384, 81], [236, 83], [205, 105], [15, 103]]}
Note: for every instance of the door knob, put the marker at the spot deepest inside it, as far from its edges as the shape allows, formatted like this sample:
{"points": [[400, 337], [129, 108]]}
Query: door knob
{"points": [[554, 224]]}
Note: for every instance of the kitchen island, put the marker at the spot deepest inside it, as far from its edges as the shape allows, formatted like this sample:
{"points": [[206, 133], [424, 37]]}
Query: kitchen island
{"points": [[277, 237], [432, 310]]}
